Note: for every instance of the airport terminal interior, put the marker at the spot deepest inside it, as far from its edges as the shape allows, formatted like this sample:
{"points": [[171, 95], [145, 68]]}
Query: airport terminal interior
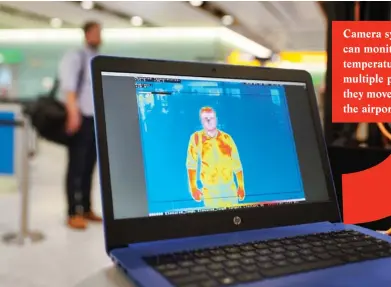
{"points": [[35, 36]]}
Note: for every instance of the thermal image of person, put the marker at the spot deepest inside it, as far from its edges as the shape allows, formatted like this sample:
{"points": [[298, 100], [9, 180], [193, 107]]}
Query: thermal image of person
{"points": [[213, 159]]}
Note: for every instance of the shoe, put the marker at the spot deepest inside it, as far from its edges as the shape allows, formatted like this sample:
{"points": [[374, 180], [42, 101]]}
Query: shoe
{"points": [[77, 222], [91, 216]]}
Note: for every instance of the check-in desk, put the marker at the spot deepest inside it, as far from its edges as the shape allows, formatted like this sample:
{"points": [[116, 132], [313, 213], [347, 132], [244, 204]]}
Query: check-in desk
{"points": [[10, 147]]}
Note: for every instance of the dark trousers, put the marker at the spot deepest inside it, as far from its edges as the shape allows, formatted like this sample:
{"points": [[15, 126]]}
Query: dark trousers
{"points": [[81, 163]]}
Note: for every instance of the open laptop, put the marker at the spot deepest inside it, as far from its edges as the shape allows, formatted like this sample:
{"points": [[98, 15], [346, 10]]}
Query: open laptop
{"points": [[217, 175]]}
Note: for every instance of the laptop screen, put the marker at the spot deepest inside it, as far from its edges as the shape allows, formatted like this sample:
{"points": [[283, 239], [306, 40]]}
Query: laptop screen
{"points": [[181, 145]]}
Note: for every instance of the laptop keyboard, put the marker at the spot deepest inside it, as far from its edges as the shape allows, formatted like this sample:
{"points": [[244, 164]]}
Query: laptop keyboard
{"points": [[255, 261]]}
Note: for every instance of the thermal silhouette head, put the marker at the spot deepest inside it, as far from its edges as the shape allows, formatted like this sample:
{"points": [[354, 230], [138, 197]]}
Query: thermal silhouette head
{"points": [[208, 119]]}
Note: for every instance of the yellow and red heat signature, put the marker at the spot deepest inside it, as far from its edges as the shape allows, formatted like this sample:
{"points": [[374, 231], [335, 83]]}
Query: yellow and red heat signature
{"points": [[219, 163]]}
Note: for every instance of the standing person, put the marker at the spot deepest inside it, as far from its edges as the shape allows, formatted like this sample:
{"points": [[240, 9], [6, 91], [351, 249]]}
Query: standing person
{"points": [[213, 155], [75, 86]]}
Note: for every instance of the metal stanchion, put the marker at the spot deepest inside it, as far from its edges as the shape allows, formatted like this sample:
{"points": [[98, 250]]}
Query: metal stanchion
{"points": [[24, 233], [33, 141]]}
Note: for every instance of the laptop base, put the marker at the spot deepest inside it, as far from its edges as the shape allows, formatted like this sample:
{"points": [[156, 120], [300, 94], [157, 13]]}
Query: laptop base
{"points": [[354, 274]]}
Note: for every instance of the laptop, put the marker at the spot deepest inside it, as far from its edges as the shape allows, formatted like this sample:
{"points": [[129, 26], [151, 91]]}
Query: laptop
{"points": [[218, 175]]}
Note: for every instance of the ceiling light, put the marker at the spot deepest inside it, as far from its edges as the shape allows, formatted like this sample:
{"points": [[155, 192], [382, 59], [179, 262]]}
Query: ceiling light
{"points": [[227, 20], [56, 23], [196, 3], [136, 21], [87, 5], [226, 35]]}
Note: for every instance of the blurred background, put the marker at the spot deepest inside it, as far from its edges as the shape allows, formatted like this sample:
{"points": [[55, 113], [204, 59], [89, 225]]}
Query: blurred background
{"points": [[34, 36]]}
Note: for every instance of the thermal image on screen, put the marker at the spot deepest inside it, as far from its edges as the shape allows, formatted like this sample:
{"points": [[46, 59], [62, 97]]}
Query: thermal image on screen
{"points": [[213, 155], [211, 144]]}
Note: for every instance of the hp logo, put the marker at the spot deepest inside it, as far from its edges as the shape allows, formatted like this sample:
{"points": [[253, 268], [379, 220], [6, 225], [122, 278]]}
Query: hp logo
{"points": [[237, 220]]}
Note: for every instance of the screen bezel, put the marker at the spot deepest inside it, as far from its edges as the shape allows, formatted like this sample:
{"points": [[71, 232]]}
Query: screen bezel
{"points": [[121, 232]]}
